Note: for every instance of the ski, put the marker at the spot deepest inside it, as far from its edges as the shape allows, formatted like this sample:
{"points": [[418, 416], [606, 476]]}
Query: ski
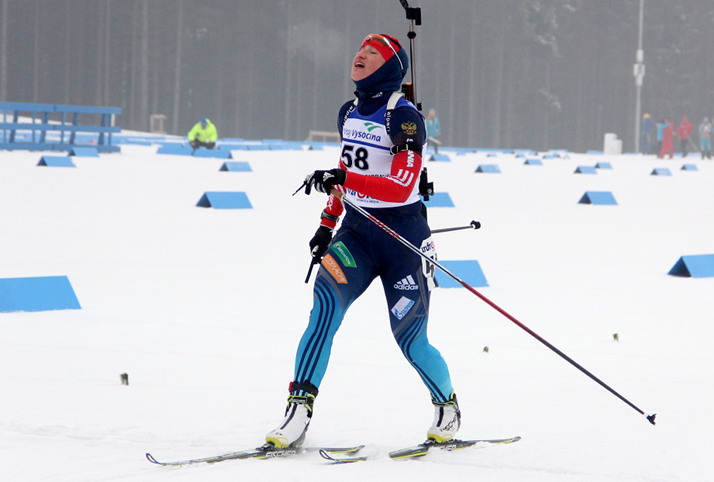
{"points": [[340, 460], [264, 452], [422, 449]]}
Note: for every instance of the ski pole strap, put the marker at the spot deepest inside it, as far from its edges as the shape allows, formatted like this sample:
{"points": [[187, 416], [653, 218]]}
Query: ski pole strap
{"points": [[407, 146], [328, 216]]}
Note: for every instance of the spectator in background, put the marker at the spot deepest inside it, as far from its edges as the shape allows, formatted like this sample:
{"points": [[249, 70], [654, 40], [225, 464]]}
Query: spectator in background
{"points": [[667, 139], [662, 126], [203, 134], [647, 135], [433, 129], [684, 130], [705, 138]]}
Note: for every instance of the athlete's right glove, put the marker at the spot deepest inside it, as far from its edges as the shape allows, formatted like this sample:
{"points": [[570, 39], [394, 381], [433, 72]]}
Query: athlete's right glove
{"points": [[324, 181], [320, 242]]}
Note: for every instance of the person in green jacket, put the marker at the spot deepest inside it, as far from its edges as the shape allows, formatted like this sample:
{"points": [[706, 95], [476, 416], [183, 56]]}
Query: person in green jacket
{"points": [[203, 134]]}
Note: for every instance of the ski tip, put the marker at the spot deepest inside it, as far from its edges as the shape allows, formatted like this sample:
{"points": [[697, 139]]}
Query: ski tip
{"points": [[151, 458], [651, 418]]}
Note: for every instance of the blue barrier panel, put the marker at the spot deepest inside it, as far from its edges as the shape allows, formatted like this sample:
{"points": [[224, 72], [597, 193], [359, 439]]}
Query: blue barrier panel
{"points": [[258, 147], [490, 168], [129, 140], [533, 162], [439, 200], [689, 167], [84, 152], [56, 161], [232, 146], [175, 149], [468, 271], [239, 166], [285, 146], [585, 170], [598, 197], [225, 200], [603, 165], [213, 153], [37, 294], [695, 266], [661, 171]]}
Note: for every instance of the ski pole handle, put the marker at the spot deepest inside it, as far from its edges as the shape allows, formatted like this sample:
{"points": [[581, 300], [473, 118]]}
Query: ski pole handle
{"points": [[313, 262]]}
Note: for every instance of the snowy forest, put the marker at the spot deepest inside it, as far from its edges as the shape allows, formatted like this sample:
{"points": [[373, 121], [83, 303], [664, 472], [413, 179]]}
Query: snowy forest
{"points": [[537, 74]]}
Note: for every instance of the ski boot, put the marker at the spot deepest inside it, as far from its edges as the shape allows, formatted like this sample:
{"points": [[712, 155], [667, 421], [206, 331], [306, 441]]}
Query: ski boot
{"points": [[447, 421], [291, 432]]}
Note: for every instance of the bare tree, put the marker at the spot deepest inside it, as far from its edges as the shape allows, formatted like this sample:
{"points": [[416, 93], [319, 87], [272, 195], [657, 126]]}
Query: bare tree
{"points": [[177, 68], [3, 52]]}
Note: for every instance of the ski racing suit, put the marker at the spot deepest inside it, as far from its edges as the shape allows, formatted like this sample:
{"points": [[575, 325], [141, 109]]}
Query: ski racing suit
{"points": [[386, 185]]}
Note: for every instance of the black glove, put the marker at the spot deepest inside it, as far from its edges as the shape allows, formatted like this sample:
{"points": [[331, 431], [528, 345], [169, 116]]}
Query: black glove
{"points": [[323, 181], [320, 242]]}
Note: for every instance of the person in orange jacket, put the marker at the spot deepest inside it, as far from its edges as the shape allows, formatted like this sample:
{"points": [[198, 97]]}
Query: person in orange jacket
{"points": [[684, 130]]}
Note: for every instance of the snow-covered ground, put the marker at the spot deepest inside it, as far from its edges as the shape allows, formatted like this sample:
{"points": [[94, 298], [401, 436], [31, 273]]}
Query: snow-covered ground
{"points": [[203, 309]]}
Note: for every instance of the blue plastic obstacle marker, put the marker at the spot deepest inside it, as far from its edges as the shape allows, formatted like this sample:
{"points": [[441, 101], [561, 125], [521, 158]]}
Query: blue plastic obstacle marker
{"points": [[598, 197], [37, 294], [468, 271], [661, 171], [238, 166], [84, 152], [603, 165], [489, 168], [56, 161], [440, 158], [533, 162], [695, 266], [225, 200], [439, 200], [586, 170], [690, 167]]}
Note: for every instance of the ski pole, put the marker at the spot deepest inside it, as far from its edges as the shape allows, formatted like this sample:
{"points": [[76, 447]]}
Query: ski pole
{"points": [[472, 225], [313, 262], [405, 242]]}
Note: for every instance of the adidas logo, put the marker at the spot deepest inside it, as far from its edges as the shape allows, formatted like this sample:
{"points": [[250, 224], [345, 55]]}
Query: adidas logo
{"points": [[406, 284]]}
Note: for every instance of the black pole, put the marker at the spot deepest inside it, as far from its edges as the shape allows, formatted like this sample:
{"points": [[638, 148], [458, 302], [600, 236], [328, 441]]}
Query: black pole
{"points": [[405, 242], [472, 225]]}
